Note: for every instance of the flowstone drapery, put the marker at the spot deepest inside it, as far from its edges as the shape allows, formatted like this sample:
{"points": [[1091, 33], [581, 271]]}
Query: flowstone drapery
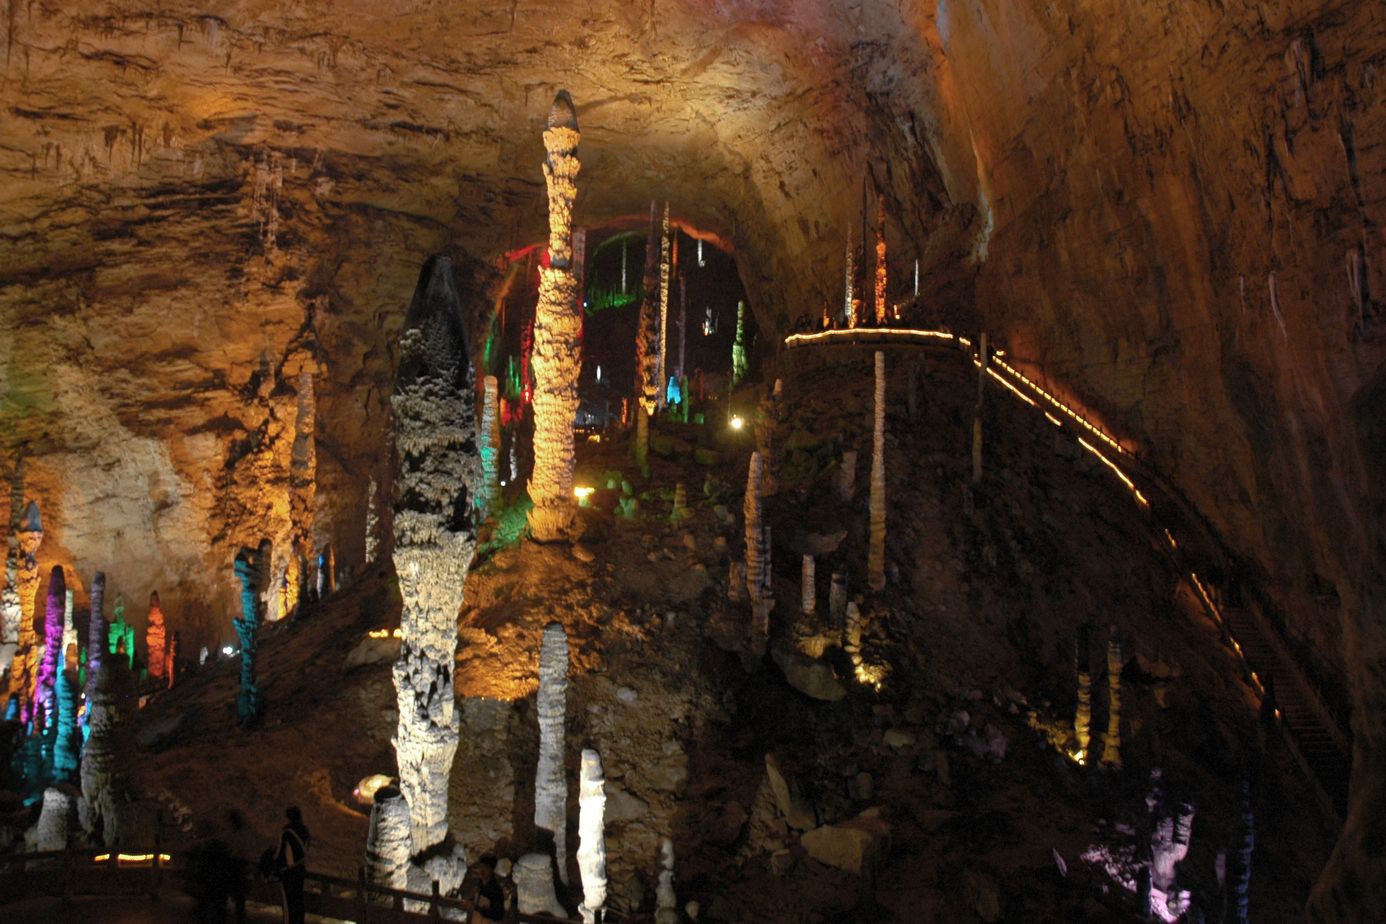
{"points": [[550, 785], [591, 855], [875, 563], [647, 347], [435, 538], [156, 639], [557, 355], [28, 536]]}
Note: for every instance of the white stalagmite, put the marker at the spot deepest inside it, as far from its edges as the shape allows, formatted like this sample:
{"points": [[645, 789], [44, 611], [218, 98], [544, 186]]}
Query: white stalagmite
{"points": [[388, 839], [69, 631], [808, 592], [372, 523], [591, 855], [55, 820], [666, 902], [848, 298], [28, 533], [9, 583], [435, 539], [875, 562], [647, 386], [534, 890], [1111, 744], [557, 355], [550, 784], [757, 556], [106, 759]]}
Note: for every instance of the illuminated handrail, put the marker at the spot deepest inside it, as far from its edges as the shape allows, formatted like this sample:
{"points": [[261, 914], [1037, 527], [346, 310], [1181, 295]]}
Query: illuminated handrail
{"points": [[852, 334]]}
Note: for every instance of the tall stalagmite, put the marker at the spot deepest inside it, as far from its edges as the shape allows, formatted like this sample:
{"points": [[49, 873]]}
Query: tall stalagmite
{"points": [[591, 855], [435, 448], [9, 589], [1082, 716], [47, 674], [388, 839], [557, 356], [757, 555], [880, 293], [808, 594], [106, 759], [488, 447], [156, 639], [739, 345], [849, 300], [303, 474], [372, 525], [647, 346], [67, 745], [252, 571], [96, 641], [28, 536], [661, 361], [550, 783], [875, 563], [1111, 744]]}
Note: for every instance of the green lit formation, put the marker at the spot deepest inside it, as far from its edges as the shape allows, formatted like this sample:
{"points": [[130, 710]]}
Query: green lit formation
{"points": [[739, 346]]}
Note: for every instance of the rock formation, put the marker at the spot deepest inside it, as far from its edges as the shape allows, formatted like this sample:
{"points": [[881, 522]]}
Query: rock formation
{"points": [[54, 826], [849, 300], [807, 592], [1111, 742], [837, 598], [757, 534], [557, 355], [27, 536], [550, 783], [680, 511], [739, 366], [46, 677], [534, 886], [647, 346], [1238, 889], [875, 563], [435, 448], [488, 448], [156, 640], [251, 568], [591, 854], [9, 590], [661, 354]]}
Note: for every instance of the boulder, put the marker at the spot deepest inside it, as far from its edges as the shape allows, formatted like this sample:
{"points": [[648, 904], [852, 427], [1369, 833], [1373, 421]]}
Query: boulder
{"points": [[812, 678], [856, 846], [372, 651], [790, 803]]}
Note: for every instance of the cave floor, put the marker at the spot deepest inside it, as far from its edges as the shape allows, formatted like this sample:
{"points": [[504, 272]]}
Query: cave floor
{"points": [[977, 626]]}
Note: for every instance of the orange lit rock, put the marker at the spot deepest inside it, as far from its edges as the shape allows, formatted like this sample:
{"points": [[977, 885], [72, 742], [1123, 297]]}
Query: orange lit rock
{"points": [[155, 640]]}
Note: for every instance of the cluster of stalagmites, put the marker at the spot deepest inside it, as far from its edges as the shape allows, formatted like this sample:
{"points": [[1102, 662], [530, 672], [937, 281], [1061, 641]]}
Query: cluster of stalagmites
{"points": [[435, 445]]}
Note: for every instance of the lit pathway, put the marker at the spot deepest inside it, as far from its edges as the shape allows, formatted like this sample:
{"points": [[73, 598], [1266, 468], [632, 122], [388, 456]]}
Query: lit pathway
{"points": [[167, 909], [1315, 735]]}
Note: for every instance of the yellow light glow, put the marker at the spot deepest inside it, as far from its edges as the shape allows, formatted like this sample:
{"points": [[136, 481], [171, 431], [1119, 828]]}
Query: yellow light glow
{"points": [[594, 437], [582, 492], [850, 335], [1052, 419], [736, 423], [1170, 537], [1078, 756], [1059, 405], [385, 633], [131, 858], [1140, 498], [1016, 391]]}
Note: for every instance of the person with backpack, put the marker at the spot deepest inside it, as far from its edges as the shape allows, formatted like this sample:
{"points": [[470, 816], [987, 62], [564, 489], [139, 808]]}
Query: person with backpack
{"points": [[291, 862]]}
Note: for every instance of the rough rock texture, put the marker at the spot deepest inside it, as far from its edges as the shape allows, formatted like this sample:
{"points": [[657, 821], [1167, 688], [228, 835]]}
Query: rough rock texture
{"points": [[97, 629], [534, 887], [54, 826], [550, 782], [557, 356], [388, 840], [67, 744], [662, 350], [10, 610], [875, 562], [303, 472], [739, 345], [251, 568], [1111, 742], [488, 440], [808, 592], [591, 853], [758, 574], [647, 345], [45, 678], [371, 524], [435, 444], [1082, 714], [28, 535], [106, 758], [1176, 212]]}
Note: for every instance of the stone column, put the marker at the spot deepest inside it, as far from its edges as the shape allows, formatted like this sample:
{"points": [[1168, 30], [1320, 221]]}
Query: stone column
{"points": [[758, 585], [9, 590], [67, 745], [435, 540], [837, 598], [661, 361], [666, 902], [372, 523], [156, 639], [557, 356], [303, 465], [808, 592], [106, 761], [881, 313], [388, 839], [1111, 744], [647, 346], [96, 641], [54, 823], [1239, 862], [1082, 716], [550, 783], [534, 891], [875, 566], [591, 853], [849, 300]]}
